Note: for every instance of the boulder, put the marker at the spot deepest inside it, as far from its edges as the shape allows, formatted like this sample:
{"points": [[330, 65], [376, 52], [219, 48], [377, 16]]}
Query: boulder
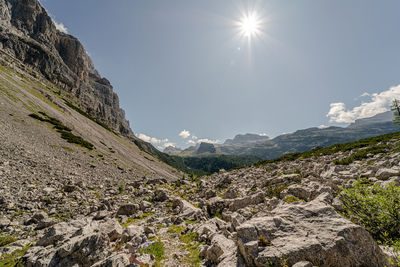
{"points": [[128, 209], [385, 173], [311, 232]]}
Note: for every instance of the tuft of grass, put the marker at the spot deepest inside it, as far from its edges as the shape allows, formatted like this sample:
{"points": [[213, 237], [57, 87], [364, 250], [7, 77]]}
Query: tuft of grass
{"points": [[6, 239], [128, 222], [176, 229], [290, 199], [156, 249], [263, 241], [121, 189], [275, 190]]}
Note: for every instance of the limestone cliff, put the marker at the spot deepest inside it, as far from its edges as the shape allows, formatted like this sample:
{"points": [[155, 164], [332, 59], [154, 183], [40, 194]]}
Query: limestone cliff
{"points": [[29, 34]]}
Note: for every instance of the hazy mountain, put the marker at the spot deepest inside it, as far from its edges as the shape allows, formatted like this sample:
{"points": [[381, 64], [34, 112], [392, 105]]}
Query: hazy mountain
{"points": [[302, 140], [171, 150], [246, 138]]}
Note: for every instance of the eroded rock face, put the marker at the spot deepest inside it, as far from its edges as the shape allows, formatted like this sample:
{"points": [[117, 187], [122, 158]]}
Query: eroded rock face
{"points": [[311, 232], [28, 34]]}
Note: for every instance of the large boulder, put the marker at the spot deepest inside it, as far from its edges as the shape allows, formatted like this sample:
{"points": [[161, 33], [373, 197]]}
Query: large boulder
{"points": [[311, 232], [80, 243]]}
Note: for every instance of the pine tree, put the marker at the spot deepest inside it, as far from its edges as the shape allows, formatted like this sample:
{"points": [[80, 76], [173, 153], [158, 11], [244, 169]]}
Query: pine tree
{"points": [[396, 111]]}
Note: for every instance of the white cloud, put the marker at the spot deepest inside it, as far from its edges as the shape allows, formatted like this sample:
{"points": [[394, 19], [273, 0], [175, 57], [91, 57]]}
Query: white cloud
{"points": [[159, 143], [323, 126], [184, 134], [263, 134], [191, 142], [206, 140], [59, 26], [378, 103], [194, 137]]}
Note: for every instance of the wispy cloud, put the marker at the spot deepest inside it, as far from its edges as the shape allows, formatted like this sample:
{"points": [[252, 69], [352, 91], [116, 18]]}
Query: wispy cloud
{"points": [[378, 103], [206, 140], [159, 143], [184, 134], [60, 26]]}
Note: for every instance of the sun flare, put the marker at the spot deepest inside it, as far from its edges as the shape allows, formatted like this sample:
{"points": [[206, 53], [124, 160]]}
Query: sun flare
{"points": [[250, 25]]}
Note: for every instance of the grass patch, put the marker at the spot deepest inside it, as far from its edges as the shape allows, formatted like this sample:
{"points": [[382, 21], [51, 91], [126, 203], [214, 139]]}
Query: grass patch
{"points": [[6, 239], [362, 154], [128, 222], [175, 229], [10, 260], [290, 199], [193, 249], [156, 249], [63, 130]]}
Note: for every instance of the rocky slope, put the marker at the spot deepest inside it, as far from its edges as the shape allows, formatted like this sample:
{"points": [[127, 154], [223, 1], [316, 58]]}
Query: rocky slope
{"points": [[28, 34], [282, 213]]}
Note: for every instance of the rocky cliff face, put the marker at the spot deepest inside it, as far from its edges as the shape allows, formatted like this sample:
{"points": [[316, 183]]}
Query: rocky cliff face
{"points": [[29, 34]]}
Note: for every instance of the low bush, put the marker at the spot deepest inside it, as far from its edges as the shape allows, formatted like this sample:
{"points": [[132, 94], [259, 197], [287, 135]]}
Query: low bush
{"points": [[374, 207]]}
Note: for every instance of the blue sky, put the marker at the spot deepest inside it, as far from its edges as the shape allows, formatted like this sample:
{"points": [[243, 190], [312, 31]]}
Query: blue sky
{"points": [[182, 65]]}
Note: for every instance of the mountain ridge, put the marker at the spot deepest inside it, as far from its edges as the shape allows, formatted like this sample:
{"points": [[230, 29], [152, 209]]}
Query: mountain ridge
{"points": [[28, 33]]}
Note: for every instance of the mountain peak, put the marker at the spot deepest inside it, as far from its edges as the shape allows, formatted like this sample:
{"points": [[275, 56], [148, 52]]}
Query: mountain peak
{"points": [[246, 138]]}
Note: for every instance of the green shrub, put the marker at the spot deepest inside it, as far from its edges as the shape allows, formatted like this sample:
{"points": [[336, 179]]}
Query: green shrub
{"points": [[374, 207], [361, 154], [275, 190]]}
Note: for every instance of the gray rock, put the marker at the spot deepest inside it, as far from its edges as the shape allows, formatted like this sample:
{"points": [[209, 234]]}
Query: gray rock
{"points": [[385, 173], [311, 232], [128, 209]]}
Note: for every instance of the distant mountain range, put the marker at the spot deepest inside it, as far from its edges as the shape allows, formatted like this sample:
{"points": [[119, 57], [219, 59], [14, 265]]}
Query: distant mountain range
{"points": [[299, 141]]}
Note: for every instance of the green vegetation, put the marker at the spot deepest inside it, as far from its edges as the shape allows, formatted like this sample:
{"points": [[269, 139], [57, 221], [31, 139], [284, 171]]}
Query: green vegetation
{"points": [[121, 189], [192, 247], [128, 222], [263, 241], [175, 229], [374, 207], [80, 111], [362, 154], [6, 239], [275, 190], [198, 165], [156, 249], [396, 112], [63, 130], [10, 260], [362, 143], [290, 199]]}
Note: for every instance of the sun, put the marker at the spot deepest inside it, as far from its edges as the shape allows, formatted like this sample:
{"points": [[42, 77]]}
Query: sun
{"points": [[250, 25]]}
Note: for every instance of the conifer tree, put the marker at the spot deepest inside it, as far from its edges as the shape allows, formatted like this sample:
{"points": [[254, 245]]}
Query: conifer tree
{"points": [[396, 111]]}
